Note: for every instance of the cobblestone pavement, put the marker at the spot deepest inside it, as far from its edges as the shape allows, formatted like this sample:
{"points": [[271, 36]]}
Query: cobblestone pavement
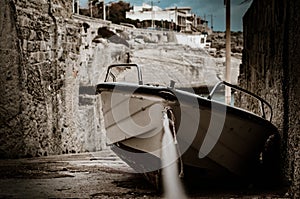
{"points": [[89, 175]]}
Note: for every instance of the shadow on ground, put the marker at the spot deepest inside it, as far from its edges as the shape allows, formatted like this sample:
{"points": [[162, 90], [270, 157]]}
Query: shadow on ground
{"points": [[102, 175]]}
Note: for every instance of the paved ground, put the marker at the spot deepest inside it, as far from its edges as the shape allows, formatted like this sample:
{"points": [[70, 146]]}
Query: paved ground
{"points": [[92, 175]]}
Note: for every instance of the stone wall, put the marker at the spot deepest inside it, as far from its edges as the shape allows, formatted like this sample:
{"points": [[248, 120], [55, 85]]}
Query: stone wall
{"points": [[270, 68], [46, 57], [10, 82], [39, 53]]}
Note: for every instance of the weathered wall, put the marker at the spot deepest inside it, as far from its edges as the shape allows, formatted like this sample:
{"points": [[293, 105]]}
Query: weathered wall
{"points": [[95, 55], [270, 68], [37, 76], [10, 82], [46, 57]]}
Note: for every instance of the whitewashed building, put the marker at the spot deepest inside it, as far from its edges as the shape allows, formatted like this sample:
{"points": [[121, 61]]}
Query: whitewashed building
{"points": [[176, 18]]}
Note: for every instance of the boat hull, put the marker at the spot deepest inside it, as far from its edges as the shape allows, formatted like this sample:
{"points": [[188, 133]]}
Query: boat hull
{"points": [[215, 138]]}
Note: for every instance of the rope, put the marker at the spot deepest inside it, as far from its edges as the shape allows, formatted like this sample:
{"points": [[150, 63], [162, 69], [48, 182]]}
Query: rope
{"points": [[173, 131]]}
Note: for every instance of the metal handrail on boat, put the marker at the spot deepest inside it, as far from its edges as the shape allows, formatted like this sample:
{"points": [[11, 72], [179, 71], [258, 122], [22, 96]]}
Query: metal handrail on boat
{"points": [[262, 101], [140, 78]]}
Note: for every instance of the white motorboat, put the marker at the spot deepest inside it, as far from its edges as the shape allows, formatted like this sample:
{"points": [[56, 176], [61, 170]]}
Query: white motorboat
{"points": [[211, 136]]}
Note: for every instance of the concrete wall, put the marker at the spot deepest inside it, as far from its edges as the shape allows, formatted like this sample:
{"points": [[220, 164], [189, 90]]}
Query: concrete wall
{"points": [[270, 68], [194, 41]]}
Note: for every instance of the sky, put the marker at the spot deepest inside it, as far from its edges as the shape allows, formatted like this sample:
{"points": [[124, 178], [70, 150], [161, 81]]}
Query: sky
{"points": [[203, 8]]}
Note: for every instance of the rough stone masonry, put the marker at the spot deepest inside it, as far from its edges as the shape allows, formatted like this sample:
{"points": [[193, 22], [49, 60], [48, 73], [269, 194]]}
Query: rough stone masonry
{"points": [[46, 56], [39, 52]]}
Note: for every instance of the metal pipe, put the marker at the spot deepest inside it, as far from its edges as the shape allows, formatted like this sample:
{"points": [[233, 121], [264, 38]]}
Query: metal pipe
{"points": [[261, 100], [139, 71]]}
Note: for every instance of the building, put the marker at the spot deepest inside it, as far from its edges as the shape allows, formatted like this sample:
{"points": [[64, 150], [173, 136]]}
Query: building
{"points": [[180, 19]]}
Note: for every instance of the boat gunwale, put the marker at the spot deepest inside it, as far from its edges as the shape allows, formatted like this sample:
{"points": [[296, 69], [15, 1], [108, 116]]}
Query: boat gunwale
{"points": [[172, 94]]}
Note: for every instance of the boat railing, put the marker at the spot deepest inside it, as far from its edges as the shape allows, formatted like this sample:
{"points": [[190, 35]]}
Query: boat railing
{"points": [[139, 72], [261, 100]]}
